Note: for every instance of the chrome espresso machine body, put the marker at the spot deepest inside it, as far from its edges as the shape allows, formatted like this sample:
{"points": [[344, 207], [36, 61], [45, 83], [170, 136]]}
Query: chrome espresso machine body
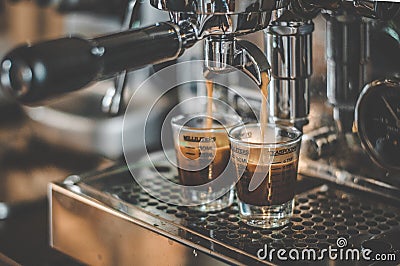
{"points": [[344, 190]]}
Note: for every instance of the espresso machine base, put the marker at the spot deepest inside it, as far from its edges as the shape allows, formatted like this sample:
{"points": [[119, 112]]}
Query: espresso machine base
{"points": [[107, 219]]}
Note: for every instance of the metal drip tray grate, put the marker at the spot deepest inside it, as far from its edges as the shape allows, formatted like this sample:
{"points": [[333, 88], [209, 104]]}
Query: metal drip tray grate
{"points": [[321, 216]]}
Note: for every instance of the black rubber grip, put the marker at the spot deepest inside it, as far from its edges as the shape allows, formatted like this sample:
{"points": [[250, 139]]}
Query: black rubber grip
{"points": [[35, 73]]}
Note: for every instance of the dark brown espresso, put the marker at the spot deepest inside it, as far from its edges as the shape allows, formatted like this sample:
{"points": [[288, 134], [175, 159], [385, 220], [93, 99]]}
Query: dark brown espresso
{"points": [[278, 186], [191, 154], [205, 175]]}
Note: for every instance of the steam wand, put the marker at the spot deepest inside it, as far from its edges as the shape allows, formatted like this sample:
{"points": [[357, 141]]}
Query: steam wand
{"points": [[112, 102]]}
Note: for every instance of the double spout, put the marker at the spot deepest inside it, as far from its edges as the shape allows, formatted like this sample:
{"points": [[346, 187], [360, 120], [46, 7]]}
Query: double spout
{"points": [[34, 73], [221, 54]]}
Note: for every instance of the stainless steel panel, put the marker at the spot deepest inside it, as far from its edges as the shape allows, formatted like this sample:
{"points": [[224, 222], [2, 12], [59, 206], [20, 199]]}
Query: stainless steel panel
{"points": [[98, 235], [109, 216]]}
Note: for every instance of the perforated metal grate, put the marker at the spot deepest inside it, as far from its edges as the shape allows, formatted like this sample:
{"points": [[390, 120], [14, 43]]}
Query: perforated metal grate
{"points": [[321, 216]]}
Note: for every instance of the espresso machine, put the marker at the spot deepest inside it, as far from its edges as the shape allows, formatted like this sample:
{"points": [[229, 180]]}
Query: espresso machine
{"points": [[348, 184]]}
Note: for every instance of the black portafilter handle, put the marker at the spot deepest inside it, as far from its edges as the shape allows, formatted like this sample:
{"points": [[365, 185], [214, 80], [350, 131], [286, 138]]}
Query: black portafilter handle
{"points": [[34, 73]]}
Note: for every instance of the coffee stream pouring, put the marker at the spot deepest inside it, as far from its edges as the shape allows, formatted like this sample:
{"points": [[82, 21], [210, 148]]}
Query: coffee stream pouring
{"points": [[33, 73]]}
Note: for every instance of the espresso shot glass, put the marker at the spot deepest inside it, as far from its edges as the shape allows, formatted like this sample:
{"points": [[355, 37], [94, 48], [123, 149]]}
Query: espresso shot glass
{"points": [[266, 162], [203, 153]]}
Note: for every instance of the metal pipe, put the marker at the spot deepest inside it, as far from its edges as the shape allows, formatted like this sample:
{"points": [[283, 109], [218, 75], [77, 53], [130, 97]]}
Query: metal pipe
{"points": [[289, 50], [348, 64]]}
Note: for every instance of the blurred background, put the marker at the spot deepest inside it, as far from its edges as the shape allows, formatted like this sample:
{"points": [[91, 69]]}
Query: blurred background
{"points": [[28, 162], [72, 134]]}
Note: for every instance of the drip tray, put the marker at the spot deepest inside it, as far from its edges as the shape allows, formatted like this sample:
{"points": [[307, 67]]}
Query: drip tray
{"points": [[106, 218]]}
